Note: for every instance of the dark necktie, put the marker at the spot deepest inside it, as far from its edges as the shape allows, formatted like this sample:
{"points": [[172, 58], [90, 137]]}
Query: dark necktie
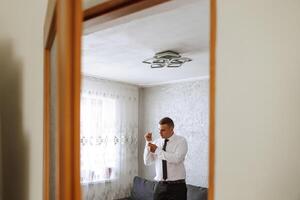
{"points": [[164, 162]]}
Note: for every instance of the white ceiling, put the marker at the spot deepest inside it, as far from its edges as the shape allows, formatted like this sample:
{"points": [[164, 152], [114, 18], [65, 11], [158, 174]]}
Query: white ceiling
{"points": [[116, 52]]}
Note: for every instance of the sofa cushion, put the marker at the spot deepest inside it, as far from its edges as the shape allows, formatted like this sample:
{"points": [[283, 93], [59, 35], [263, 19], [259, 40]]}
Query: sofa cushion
{"points": [[142, 189], [196, 193]]}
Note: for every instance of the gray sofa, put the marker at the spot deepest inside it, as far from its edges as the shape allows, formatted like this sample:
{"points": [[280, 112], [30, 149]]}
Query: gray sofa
{"points": [[143, 189]]}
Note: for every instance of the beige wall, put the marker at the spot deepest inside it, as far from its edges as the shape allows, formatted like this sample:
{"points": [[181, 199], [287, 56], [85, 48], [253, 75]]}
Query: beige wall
{"points": [[91, 3], [258, 100], [21, 98]]}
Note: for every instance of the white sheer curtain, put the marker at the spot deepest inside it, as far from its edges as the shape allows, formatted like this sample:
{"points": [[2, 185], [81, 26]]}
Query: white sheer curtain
{"points": [[109, 134]]}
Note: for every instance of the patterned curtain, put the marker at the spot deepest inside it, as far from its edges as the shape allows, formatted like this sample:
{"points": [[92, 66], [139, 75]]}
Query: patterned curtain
{"points": [[109, 134]]}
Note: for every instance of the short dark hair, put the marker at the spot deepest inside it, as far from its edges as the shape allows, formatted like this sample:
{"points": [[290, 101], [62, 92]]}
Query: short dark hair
{"points": [[168, 121]]}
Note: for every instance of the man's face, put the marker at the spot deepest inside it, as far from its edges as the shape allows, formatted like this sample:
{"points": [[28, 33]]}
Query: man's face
{"points": [[165, 131]]}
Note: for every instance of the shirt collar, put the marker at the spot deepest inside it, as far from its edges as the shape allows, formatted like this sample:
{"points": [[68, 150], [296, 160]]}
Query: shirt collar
{"points": [[172, 137]]}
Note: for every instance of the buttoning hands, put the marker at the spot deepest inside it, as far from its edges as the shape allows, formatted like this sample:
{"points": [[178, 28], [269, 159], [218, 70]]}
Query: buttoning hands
{"points": [[148, 137], [152, 147]]}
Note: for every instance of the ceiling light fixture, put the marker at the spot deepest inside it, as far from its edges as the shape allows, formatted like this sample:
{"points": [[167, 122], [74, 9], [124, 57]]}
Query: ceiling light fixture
{"points": [[166, 59]]}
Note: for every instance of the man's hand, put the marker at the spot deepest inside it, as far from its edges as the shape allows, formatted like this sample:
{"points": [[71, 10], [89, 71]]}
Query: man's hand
{"points": [[152, 147], [148, 137]]}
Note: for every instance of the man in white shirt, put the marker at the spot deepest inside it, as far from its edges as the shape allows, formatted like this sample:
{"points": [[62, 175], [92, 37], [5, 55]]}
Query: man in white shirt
{"points": [[168, 154]]}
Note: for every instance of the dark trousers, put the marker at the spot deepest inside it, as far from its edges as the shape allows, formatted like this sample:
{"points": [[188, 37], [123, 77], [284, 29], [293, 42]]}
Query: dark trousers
{"points": [[165, 191]]}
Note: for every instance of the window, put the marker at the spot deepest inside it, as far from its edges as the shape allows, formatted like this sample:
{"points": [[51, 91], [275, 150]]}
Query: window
{"points": [[109, 137], [98, 138]]}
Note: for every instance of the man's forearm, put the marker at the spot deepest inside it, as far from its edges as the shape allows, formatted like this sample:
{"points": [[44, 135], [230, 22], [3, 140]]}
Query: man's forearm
{"points": [[148, 156]]}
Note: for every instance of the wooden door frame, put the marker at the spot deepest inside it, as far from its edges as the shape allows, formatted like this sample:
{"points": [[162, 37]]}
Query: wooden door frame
{"points": [[69, 13], [212, 98], [63, 21], [117, 8]]}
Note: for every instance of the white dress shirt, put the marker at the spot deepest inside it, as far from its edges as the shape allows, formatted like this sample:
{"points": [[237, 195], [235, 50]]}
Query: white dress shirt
{"points": [[174, 155]]}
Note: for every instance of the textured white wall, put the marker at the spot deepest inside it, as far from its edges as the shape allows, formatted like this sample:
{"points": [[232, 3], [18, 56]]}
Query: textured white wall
{"points": [[258, 100], [187, 104], [21, 102]]}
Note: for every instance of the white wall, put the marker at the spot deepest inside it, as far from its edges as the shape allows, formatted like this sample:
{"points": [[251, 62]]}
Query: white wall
{"points": [[187, 104], [258, 100], [21, 97]]}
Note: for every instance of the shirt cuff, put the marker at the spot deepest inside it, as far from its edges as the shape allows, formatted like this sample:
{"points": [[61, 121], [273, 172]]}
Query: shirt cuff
{"points": [[158, 151]]}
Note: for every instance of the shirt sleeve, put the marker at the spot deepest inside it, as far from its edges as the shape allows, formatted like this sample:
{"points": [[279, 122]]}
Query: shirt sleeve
{"points": [[173, 157], [149, 157]]}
